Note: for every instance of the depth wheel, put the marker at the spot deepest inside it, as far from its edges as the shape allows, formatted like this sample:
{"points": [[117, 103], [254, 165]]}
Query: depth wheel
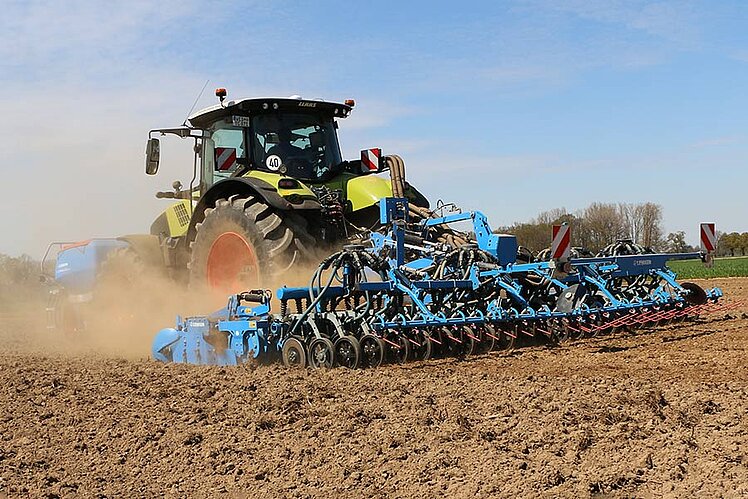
{"points": [[293, 353], [347, 352], [438, 343], [397, 347], [321, 353], [422, 351], [372, 351], [559, 330]]}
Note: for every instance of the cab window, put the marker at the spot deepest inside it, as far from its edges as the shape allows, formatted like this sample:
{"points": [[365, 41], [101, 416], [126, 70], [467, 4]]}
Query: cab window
{"points": [[228, 150], [300, 145]]}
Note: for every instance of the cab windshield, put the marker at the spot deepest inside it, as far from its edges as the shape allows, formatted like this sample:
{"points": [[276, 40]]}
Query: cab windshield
{"points": [[299, 145]]}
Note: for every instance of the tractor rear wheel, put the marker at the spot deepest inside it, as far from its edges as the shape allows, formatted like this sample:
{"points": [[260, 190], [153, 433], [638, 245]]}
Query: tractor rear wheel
{"points": [[243, 243]]}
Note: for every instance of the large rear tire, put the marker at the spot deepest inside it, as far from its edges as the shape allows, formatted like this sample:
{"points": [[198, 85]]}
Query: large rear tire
{"points": [[244, 243]]}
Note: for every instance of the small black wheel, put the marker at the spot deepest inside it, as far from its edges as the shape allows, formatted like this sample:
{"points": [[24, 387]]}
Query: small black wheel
{"points": [[421, 351], [293, 352], [347, 352], [397, 347], [321, 353], [601, 326], [372, 351]]}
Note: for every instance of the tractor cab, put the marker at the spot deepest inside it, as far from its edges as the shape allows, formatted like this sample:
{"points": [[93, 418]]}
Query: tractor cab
{"points": [[288, 137], [285, 147], [274, 140]]}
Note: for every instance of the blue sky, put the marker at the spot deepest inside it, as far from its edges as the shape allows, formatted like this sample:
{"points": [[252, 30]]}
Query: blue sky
{"points": [[510, 107]]}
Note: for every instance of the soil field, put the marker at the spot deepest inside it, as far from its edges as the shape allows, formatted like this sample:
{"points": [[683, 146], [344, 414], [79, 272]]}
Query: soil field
{"points": [[658, 413]]}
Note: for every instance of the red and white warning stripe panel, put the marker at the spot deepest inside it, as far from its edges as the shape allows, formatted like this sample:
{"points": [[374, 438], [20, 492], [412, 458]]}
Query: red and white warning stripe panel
{"points": [[560, 243], [225, 158], [370, 159], [708, 237]]}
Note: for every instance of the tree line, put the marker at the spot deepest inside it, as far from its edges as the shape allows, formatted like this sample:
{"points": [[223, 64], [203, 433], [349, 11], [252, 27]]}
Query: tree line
{"points": [[19, 280], [600, 224], [732, 244]]}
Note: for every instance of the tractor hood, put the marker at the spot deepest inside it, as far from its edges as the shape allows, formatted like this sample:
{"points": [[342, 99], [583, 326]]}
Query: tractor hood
{"points": [[362, 191]]}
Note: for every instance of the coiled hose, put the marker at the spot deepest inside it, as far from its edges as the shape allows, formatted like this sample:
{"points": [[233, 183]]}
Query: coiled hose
{"points": [[443, 234]]}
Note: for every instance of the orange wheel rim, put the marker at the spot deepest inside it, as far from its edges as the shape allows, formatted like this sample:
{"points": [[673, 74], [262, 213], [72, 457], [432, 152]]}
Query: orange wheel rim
{"points": [[232, 263]]}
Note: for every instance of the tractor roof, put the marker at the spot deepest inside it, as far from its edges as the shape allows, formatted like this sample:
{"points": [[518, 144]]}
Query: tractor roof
{"points": [[245, 107]]}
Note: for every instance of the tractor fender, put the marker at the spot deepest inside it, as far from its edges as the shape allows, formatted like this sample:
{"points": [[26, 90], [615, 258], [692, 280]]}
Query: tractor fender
{"points": [[244, 186], [147, 247]]}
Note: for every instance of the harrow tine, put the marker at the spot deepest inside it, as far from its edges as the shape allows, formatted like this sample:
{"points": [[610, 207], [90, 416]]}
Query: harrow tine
{"points": [[525, 332], [613, 323], [573, 328], [726, 307], [391, 343], [684, 312], [543, 331], [496, 338], [651, 316], [714, 308], [509, 333], [735, 305], [471, 336], [453, 338], [584, 328]]}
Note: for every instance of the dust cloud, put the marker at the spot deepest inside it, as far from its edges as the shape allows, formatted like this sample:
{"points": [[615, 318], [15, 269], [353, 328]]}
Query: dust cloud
{"points": [[131, 304]]}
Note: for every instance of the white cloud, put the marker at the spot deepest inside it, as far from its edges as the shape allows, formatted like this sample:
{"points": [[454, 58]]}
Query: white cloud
{"points": [[724, 140], [62, 38], [673, 20]]}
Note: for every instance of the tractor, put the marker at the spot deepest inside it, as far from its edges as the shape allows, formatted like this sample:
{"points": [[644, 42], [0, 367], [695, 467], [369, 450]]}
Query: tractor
{"points": [[269, 191]]}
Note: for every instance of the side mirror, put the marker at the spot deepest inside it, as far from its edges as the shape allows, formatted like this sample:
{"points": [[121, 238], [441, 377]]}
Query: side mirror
{"points": [[152, 156]]}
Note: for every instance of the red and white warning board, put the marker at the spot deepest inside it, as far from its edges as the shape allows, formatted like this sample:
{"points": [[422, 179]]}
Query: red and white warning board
{"points": [[560, 243], [225, 158], [708, 238], [370, 159]]}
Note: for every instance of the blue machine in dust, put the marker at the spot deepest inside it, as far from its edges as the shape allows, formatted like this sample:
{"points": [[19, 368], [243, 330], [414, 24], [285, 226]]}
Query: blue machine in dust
{"points": [[404, 294], [76, 272]]}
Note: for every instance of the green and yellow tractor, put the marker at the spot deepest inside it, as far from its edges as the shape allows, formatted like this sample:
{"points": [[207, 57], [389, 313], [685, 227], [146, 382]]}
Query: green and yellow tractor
{"points": [[269, 191]]}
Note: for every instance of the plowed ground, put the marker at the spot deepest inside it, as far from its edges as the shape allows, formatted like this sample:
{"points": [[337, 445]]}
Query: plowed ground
{"points": [[663, 412]]}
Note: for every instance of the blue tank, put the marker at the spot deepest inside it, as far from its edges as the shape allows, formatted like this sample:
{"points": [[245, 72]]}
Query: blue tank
{"points": [[78, 265]]}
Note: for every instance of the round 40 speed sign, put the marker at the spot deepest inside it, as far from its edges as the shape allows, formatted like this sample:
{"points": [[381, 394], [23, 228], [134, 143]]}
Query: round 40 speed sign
{"points": [[273, 162]]}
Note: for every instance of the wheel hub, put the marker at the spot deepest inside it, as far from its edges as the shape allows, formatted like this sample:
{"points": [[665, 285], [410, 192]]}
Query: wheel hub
{"points": [[232, 263]]}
